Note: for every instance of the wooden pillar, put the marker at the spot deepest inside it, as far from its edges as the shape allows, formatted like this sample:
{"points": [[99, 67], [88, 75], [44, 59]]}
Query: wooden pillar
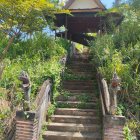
{"points": [[66, 25], [55, 34]]}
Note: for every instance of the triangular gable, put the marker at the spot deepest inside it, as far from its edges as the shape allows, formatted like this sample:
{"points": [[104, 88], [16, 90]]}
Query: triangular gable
{"points": [[100, 4], [84, 4], [68, 4]]}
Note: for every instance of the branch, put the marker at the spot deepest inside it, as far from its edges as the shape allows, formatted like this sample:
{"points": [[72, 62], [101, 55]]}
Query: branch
{"points": [[7, 47], [1, 70]]}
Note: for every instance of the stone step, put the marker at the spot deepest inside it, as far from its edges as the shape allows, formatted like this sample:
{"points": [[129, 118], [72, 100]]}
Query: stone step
{"points": [[77, 98], [82, 70], [89, 72], [55, 135], [76, 62], [77, 104], [82, 59], [94, 94], [77, 116], [79, 63], [90, 75], [81, 67], [72, 127], [78, 76], [83, 82], [85, 51], [86, 76], [80, 91], [78, 83], [77, 87], [78, 56], [76, 112], [75, 119], [82, 56]]}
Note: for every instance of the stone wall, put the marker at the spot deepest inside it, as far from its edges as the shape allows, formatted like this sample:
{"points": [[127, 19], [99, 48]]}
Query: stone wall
{"points": [[113, 127], [26, 126]]}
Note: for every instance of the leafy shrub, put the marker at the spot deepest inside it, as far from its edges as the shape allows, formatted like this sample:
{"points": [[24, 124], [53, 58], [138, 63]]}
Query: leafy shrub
{"points": [[40, 57], [120, 50], [127, 133]]}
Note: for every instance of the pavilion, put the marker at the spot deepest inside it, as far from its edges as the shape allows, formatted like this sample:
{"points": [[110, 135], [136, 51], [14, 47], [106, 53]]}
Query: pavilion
{"points": [[85, 18]]}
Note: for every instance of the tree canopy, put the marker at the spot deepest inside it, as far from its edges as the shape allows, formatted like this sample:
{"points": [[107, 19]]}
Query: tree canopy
{"points": [[24, 15], [19, 17]]}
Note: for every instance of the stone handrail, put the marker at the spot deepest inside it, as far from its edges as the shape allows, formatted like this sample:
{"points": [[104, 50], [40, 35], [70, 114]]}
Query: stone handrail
{"points": [[43, 101], [104, 94], [29, 123], [112, 124]]}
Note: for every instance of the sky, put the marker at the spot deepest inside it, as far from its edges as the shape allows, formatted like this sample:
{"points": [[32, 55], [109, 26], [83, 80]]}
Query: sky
{"points": [[107, 3]]}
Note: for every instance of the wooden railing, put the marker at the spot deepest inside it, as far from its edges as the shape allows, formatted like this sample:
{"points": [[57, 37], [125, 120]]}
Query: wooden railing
{"points": [[29, 123]]}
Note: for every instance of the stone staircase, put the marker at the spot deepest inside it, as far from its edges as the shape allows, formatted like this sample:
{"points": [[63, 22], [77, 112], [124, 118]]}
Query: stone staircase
{"points": [[77, 116]]}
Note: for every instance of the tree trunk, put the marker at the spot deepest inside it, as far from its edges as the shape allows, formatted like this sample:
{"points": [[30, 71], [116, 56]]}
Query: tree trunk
{"points": [[4, 54], [7, 48]]}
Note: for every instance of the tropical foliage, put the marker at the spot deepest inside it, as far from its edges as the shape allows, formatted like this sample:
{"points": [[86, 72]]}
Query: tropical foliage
{"points": [[24, 46], [19, 18], [40, 58], [120, 50]]}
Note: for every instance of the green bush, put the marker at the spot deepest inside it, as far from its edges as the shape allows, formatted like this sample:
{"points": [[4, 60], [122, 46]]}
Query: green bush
{"points": [[40, 57], [120, 50]]}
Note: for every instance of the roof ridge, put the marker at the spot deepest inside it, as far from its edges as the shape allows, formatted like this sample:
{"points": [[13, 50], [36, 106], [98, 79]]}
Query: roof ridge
{"points": [[68, 4], [98, 2]]}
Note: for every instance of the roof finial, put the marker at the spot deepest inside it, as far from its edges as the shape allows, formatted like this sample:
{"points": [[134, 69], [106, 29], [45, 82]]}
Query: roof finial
{"points": [[117, 2]]}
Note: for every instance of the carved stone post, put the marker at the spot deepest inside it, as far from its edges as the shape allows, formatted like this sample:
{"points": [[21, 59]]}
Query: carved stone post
{"points": [[72, 50], [114, 88], [26, 86], [63, 61], [99, 33]]}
